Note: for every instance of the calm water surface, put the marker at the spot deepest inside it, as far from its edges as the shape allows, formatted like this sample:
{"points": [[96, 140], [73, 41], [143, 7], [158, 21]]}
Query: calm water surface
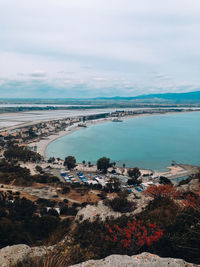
{"points": [[148, 142]]}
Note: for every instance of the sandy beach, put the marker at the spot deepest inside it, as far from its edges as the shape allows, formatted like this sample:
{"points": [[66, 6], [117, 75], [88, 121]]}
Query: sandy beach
{"points": [[43, 143]]}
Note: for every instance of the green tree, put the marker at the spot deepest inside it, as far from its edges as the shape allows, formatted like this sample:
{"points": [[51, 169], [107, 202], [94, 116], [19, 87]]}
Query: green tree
{"points": [[38, 169], [89, 163], [134, 174], [70, 162], [103, 164], [51, 160]]}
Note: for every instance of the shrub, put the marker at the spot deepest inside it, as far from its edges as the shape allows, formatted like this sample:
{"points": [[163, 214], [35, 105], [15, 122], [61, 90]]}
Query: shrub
{"points": [[160, 191], [134, 235], [103, 164], [70, 162], [65, 190], [120, 204]]}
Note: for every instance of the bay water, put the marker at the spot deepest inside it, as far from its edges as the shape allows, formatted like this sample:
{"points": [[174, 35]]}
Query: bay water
{"points": [[149, 142]]}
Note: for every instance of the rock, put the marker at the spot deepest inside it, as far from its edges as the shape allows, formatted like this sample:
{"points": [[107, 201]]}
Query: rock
{"points": [[90, 212], [12, 255], [194, 185], [141, 260], [183, 188]]}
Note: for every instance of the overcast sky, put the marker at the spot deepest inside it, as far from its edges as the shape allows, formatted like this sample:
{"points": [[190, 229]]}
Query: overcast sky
{"points": [[89, 48]]}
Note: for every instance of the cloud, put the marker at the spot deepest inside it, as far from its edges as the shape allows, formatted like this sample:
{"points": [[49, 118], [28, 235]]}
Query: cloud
{"points": [[37, 74], [101, 44]]}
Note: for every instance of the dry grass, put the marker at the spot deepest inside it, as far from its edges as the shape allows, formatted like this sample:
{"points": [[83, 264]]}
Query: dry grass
{"points": [[53, 259], [89, 197]]}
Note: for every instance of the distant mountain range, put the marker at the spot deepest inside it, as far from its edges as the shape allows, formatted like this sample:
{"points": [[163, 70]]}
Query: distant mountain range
{"points": [[150, 99], [190, 97]]}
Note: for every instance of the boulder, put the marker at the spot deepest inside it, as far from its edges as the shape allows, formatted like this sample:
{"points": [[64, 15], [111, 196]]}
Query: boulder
{"points": [[90, 212], [11, 255], [141, 260], [194, 185]]}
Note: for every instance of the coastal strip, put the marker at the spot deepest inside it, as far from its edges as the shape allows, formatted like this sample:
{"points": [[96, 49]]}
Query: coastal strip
{"points": [[43, 143]]}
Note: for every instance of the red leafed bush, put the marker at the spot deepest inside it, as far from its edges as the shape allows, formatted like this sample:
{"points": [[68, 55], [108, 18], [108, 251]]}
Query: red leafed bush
{"points": [[168, 191], [134, 235], [192, 200]]}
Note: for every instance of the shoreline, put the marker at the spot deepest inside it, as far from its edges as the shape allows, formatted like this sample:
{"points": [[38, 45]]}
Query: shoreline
{"points": [[171, 172], [42, 144]]}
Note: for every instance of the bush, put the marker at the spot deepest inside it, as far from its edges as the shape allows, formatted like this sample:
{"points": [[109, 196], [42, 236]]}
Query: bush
{"points": [[120, 204], [103, 164], [134, 235], [21, 153], [65, 190], [45, 225], [70, 162], [45, 179]]}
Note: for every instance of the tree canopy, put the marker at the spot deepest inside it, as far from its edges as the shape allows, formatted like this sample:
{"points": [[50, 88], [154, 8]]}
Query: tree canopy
{"points": [[103, 164], [70, 162], [21, 153], [134, 173]]}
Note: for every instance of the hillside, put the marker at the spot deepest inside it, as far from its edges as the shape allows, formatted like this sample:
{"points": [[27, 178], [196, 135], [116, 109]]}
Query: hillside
{"points": [[189, 97]]}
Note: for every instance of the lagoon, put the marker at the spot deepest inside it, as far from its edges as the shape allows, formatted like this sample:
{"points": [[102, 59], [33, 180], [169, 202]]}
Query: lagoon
{"points": [[150, 142]]}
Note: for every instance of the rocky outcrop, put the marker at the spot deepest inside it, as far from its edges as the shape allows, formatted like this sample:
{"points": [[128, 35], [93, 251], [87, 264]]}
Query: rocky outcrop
{"points": [[141, 260], [90, 212], [11, 255], [193, 185]]}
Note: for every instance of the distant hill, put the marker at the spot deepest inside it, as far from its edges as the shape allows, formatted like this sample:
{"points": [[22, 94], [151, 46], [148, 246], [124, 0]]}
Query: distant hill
{"points": [[150, 99], [190, 97]]}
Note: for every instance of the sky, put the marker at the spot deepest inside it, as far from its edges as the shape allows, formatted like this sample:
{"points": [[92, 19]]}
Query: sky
{"points": [[93, 48]]}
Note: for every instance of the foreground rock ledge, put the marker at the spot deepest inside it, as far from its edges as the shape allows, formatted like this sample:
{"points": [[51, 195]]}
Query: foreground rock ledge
{"points": [[12, 255], [141, 260]]}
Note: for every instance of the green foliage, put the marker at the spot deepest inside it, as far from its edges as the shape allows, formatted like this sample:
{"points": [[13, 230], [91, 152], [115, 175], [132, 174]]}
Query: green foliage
{"points": [[22, 154], [121, 204], [103, 164], [45, 179], [9, 172], [21, 209], [45, 225], [22, 221], [134, 174], [39, 169], [51, 160], [65, 190], [181, 229], [163, 211], [70, 162], [180, 235], [165, 180]]}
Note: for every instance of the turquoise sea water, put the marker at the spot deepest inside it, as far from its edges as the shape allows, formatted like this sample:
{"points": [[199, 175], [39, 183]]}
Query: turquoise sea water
{"points": [[151, 142]]}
